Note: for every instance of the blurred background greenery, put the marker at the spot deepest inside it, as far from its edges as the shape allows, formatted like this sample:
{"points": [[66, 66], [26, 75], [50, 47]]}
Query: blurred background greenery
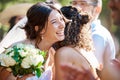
{"points": [[104, 16]]}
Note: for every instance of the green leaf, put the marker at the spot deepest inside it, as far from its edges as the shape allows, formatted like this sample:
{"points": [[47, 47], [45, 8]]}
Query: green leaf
{"points": [[15, 69], [18, 70], [9, 52], [43, 53], [39, 64], [38, 72]]}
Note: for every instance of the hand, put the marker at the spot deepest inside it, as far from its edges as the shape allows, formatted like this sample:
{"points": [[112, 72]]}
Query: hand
{"points": [[111, 71], [72, 73], [6, 75], [116, 63], [25, 77]]}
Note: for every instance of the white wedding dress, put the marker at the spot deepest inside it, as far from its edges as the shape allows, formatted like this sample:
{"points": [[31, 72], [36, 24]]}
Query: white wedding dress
{"points": [[17, 34], [47, 75]]}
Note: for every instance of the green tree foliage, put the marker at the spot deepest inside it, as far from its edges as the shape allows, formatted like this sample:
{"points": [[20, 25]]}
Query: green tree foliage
{"points": [[4, 3], [64, 2]]}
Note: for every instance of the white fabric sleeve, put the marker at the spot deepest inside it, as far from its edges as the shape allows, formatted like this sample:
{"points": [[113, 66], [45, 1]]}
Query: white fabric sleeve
{"points": [[103, 42], [105, 49]]}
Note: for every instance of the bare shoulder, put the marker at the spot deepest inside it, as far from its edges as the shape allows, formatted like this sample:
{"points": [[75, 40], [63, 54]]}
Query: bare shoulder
{"points": [[65, 52], [69, 54]]}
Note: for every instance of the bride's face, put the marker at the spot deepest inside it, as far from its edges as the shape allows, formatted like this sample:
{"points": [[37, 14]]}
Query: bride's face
{"points": [[55, 27]]}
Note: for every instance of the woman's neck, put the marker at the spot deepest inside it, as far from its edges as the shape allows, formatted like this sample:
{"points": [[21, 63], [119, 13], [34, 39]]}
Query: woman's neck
{"points": [[45, 45]]}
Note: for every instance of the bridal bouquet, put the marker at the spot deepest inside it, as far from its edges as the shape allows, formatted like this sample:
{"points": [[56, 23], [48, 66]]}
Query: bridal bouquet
{"points": [[23, 59]]}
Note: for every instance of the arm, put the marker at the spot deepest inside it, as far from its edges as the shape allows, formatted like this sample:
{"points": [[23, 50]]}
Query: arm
{"points": [[58, 62], [111, 71]]}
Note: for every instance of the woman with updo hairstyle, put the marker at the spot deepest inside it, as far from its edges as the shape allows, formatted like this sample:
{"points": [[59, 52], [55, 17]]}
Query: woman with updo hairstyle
{"points": [[45, 26], [77, 48]]}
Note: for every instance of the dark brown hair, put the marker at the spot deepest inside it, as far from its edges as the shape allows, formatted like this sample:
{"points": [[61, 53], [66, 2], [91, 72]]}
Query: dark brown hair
{"points": [[37, 15], [77, 32]]}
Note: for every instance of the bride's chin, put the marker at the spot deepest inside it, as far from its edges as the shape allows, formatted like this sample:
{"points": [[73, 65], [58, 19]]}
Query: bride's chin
{"points": [[61, 38]]}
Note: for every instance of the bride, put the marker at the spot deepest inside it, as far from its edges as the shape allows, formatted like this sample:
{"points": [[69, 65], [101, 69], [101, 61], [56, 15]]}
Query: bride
{"points": [[44, 27]]}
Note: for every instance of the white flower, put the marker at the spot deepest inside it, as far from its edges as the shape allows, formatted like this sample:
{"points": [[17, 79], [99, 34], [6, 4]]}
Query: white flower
{"points": [[20, 45], [33, 51], [7, 60], [11, 54], [22, 53], [26, 62], [29, 47], [32, 59], [35, 59]]}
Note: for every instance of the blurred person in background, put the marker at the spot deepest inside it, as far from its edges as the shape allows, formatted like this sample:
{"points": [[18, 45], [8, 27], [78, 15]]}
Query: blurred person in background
{"points": [[102, 39], [16, 13], [11, 15], [13, 20], [2, 31], [114, 5], [111, 70]]}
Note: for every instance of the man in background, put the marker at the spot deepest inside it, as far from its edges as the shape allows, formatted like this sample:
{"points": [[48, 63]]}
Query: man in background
{"points": [[102, 39], [114, 5]]}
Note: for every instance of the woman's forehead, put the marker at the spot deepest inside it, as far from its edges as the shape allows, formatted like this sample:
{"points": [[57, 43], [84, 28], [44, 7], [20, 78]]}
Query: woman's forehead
{"points": [[54, 14]]}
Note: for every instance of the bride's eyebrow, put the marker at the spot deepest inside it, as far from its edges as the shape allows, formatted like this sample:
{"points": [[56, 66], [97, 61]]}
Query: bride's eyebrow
{"points": [[52, 20]]}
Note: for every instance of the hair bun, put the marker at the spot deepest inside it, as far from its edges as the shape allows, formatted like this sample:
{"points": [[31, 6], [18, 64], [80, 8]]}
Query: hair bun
{"points": [[72, 13], [85, 19], [68, 11]]}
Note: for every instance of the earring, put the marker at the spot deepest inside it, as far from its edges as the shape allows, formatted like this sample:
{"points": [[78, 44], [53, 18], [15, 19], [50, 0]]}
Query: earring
{"points": [[42, 37]]}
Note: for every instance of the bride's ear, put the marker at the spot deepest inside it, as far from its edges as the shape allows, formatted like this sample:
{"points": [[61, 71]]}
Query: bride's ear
{"points": [[36, 28]]}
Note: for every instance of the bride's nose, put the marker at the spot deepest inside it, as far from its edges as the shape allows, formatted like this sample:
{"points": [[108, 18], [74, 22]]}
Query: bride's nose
{"points": [[61, 24]]}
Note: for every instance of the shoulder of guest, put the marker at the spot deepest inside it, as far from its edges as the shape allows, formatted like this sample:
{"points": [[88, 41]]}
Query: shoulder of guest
{"points": [[64, 49]]}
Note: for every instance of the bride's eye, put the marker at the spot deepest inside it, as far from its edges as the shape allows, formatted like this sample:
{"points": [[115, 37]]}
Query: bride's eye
{"points": [[53, 22]]}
